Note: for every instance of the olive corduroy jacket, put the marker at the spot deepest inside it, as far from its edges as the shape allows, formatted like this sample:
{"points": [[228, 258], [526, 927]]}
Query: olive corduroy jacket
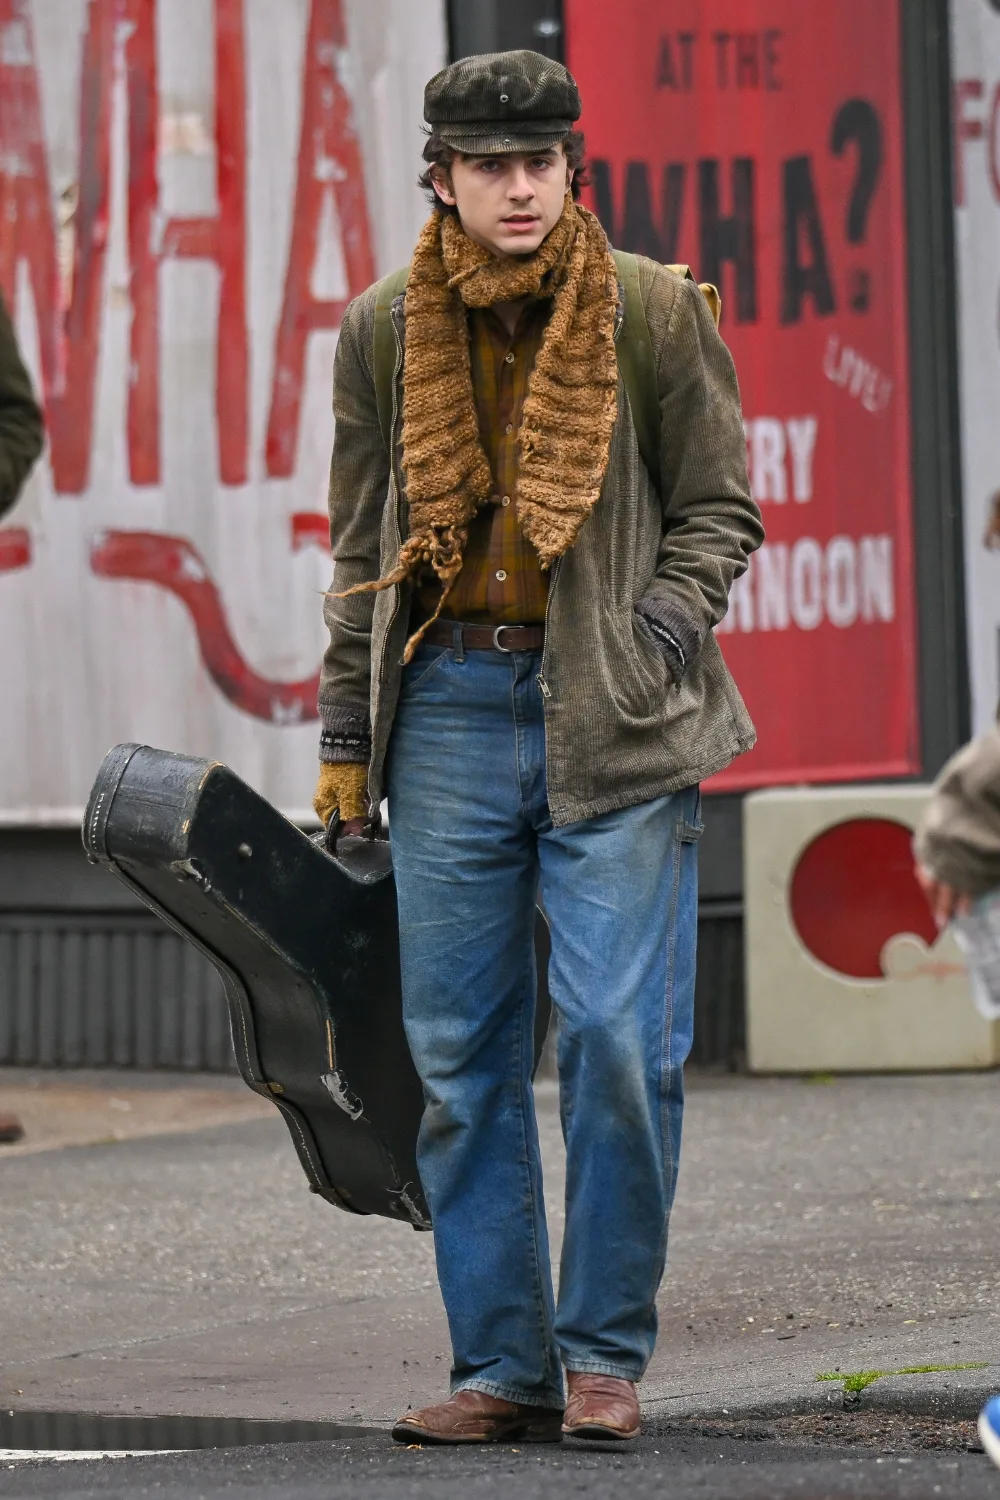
{"points": [[624, 722]]}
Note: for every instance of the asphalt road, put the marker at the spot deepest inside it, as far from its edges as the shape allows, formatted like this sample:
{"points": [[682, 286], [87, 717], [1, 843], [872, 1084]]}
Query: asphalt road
{"points": [[660, 1464], [853, 1224], [819, 1226]]}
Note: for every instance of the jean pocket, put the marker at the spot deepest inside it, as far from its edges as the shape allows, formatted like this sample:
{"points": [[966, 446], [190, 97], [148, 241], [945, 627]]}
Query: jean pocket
{"points": [[426, 661]]}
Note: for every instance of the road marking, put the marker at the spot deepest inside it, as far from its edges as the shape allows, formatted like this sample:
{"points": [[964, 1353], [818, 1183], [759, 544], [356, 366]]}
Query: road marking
{"points": [[12, 1456]]}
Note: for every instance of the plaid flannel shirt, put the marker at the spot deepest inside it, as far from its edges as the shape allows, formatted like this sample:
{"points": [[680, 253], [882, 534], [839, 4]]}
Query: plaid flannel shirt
{"points": [[501, 582]]}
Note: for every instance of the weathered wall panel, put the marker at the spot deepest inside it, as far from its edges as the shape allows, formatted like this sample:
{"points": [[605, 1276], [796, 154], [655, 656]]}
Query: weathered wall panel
{"points": [[192, 189]]}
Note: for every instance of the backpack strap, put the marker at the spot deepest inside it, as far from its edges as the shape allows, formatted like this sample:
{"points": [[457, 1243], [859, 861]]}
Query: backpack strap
{"points": [[385, 349], [637, 361], [637, 364]]}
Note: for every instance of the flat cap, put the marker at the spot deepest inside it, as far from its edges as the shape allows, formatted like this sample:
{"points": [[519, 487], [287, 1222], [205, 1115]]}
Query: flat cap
{"points": [[498, 103]]}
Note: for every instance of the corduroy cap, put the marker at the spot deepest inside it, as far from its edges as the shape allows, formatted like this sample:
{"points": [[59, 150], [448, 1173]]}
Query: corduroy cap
{"points": [[498, 103]]}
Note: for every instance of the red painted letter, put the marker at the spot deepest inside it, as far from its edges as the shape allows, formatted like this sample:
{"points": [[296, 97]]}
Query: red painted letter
{"points": [[329, 159], [966, 129], [69, 318], [221, 239]]}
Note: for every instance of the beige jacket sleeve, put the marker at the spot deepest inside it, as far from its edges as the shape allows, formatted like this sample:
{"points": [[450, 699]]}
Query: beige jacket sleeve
{"points": [[959, 836]]}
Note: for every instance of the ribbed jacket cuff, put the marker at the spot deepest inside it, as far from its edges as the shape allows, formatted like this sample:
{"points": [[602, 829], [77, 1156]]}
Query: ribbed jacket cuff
{"points": [[345, 735], [672, 631]]}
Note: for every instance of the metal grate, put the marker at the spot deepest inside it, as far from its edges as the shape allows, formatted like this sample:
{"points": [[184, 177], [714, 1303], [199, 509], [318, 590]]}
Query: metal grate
{"points": [[122, 990], [108, 991], [719, 1020]]}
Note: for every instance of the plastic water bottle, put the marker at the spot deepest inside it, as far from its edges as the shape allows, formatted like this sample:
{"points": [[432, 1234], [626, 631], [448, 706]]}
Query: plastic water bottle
{"points": [[978, 935]]}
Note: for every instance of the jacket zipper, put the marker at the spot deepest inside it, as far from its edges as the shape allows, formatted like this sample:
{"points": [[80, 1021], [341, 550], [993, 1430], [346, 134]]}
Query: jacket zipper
{"points": [[543, 686]]}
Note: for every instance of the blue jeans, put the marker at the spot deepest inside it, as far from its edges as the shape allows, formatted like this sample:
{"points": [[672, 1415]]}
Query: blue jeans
{"points": [[473, 845]]}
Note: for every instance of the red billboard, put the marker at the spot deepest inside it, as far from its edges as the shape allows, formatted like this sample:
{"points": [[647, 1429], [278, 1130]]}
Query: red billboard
{"points": [[761, 142]]}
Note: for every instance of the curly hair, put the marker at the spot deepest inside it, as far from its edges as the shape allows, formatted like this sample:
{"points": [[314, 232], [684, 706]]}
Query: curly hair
{"points": [[437, 153]]}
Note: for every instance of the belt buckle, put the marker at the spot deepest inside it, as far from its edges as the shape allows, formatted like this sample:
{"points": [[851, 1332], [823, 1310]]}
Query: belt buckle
{"points": [[507, 650]]}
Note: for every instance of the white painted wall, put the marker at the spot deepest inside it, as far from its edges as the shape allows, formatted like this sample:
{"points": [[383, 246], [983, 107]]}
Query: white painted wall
{"points": [[88, 661]]}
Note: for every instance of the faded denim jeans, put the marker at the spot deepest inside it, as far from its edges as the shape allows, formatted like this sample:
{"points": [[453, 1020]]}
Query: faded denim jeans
{"points": [[473, 846]]}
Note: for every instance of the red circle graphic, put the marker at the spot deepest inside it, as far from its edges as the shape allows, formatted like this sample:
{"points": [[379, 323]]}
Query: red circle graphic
{"points": [[853, 889]]}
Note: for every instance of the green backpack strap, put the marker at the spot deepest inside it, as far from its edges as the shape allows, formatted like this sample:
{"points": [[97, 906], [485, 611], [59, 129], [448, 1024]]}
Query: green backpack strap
{"points": [[385, 349], [637, 361], [637, 364]]}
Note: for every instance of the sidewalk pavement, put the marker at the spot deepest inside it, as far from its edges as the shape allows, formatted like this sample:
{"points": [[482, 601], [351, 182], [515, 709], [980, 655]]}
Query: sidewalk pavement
{"points": [[97, 1108], [185, 1268]]}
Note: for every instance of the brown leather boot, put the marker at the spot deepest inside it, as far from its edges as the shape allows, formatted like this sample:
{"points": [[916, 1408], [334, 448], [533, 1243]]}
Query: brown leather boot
{"points": [[476, 1417], [11, 1129], [601, 1406]]}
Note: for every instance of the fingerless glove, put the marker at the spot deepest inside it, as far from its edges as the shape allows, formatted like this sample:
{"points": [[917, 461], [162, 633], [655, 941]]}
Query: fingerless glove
{"points": [[342, 785]]}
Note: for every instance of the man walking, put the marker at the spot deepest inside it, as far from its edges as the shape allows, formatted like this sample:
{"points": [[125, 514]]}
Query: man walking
{"points": [[521, 656]]}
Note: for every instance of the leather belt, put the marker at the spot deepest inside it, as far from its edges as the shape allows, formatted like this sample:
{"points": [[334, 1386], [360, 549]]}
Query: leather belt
{"points": [[487, 637]]}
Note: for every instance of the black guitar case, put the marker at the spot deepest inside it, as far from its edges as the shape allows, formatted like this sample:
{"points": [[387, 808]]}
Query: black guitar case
{"points": [[307, 947]]}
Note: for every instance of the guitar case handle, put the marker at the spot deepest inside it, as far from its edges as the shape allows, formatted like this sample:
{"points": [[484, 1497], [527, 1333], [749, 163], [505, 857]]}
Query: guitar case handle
{"points": [[369, 827]]}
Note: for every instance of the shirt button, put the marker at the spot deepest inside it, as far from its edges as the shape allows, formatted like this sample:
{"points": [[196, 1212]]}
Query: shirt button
{"points": [[508, 359], [505, 500], [509, 428], [501, 576]]}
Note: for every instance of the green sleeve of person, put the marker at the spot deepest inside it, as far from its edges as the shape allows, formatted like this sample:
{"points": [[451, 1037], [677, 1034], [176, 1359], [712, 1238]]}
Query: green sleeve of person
{"points": [[22, 430]]}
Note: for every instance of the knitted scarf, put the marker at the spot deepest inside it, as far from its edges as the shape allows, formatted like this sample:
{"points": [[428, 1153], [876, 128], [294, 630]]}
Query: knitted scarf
{"points": [[569, 411]]}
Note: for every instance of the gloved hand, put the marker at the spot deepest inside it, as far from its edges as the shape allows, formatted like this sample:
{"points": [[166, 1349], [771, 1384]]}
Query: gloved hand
{"points": [[341, 785]]}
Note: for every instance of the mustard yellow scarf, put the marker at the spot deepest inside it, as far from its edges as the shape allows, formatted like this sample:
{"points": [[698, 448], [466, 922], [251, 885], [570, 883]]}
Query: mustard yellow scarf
{"points": [[569, 411]]}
